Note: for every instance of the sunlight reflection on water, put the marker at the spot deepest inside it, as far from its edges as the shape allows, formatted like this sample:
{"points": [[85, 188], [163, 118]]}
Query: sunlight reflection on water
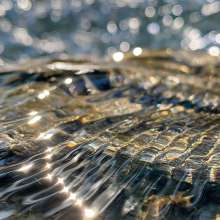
{"points": [[35, 28]]}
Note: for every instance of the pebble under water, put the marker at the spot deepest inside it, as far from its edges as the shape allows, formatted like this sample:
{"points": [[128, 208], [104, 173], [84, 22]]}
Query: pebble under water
{"points": [[138, 139]]}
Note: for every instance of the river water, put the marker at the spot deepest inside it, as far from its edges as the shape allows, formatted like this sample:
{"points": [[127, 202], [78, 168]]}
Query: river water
{"points": [[133, 139], [83, 27]]}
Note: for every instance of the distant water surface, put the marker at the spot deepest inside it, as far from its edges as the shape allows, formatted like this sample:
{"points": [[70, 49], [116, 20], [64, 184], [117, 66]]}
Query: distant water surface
{"points": [[83, 27]]}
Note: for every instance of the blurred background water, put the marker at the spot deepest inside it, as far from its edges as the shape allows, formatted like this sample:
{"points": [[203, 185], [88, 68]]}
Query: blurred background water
{"points": [[31, 29], [94, 127]]}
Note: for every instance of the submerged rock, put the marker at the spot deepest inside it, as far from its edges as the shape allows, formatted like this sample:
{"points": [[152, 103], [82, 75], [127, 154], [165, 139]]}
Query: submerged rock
{"points": [[137, 139]]}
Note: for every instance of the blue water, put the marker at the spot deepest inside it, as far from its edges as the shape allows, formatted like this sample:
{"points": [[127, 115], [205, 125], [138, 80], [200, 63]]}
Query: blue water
{"points": [[83, 27]]}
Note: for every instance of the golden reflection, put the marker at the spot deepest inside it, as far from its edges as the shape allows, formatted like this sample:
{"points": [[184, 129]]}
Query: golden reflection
{"points": [[65, 189], [189, 177], [49, 176], [217, 217], [43, 94], [89, 213], [68, 81], [60, 180], [34, 120], [125, 114], [25, 168], [118, 56], [137, 51], [44, 136], [49, 149], [47, 135], [48, 166], [213, 174], [72, 196], [71, 144], [32, 113], [48, 156], [79, 202]]}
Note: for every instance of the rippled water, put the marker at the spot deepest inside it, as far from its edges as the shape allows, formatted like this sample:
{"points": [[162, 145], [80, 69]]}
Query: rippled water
{"points": [[137, 139], [131, 137], [84, 27]]}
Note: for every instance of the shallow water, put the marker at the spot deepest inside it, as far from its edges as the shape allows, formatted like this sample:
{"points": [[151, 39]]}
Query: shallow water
{"points": [[136, 139], [135, 136]]}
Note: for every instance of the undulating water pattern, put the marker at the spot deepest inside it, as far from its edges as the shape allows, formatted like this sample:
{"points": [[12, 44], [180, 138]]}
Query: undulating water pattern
{"points": [[136, 139]]}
